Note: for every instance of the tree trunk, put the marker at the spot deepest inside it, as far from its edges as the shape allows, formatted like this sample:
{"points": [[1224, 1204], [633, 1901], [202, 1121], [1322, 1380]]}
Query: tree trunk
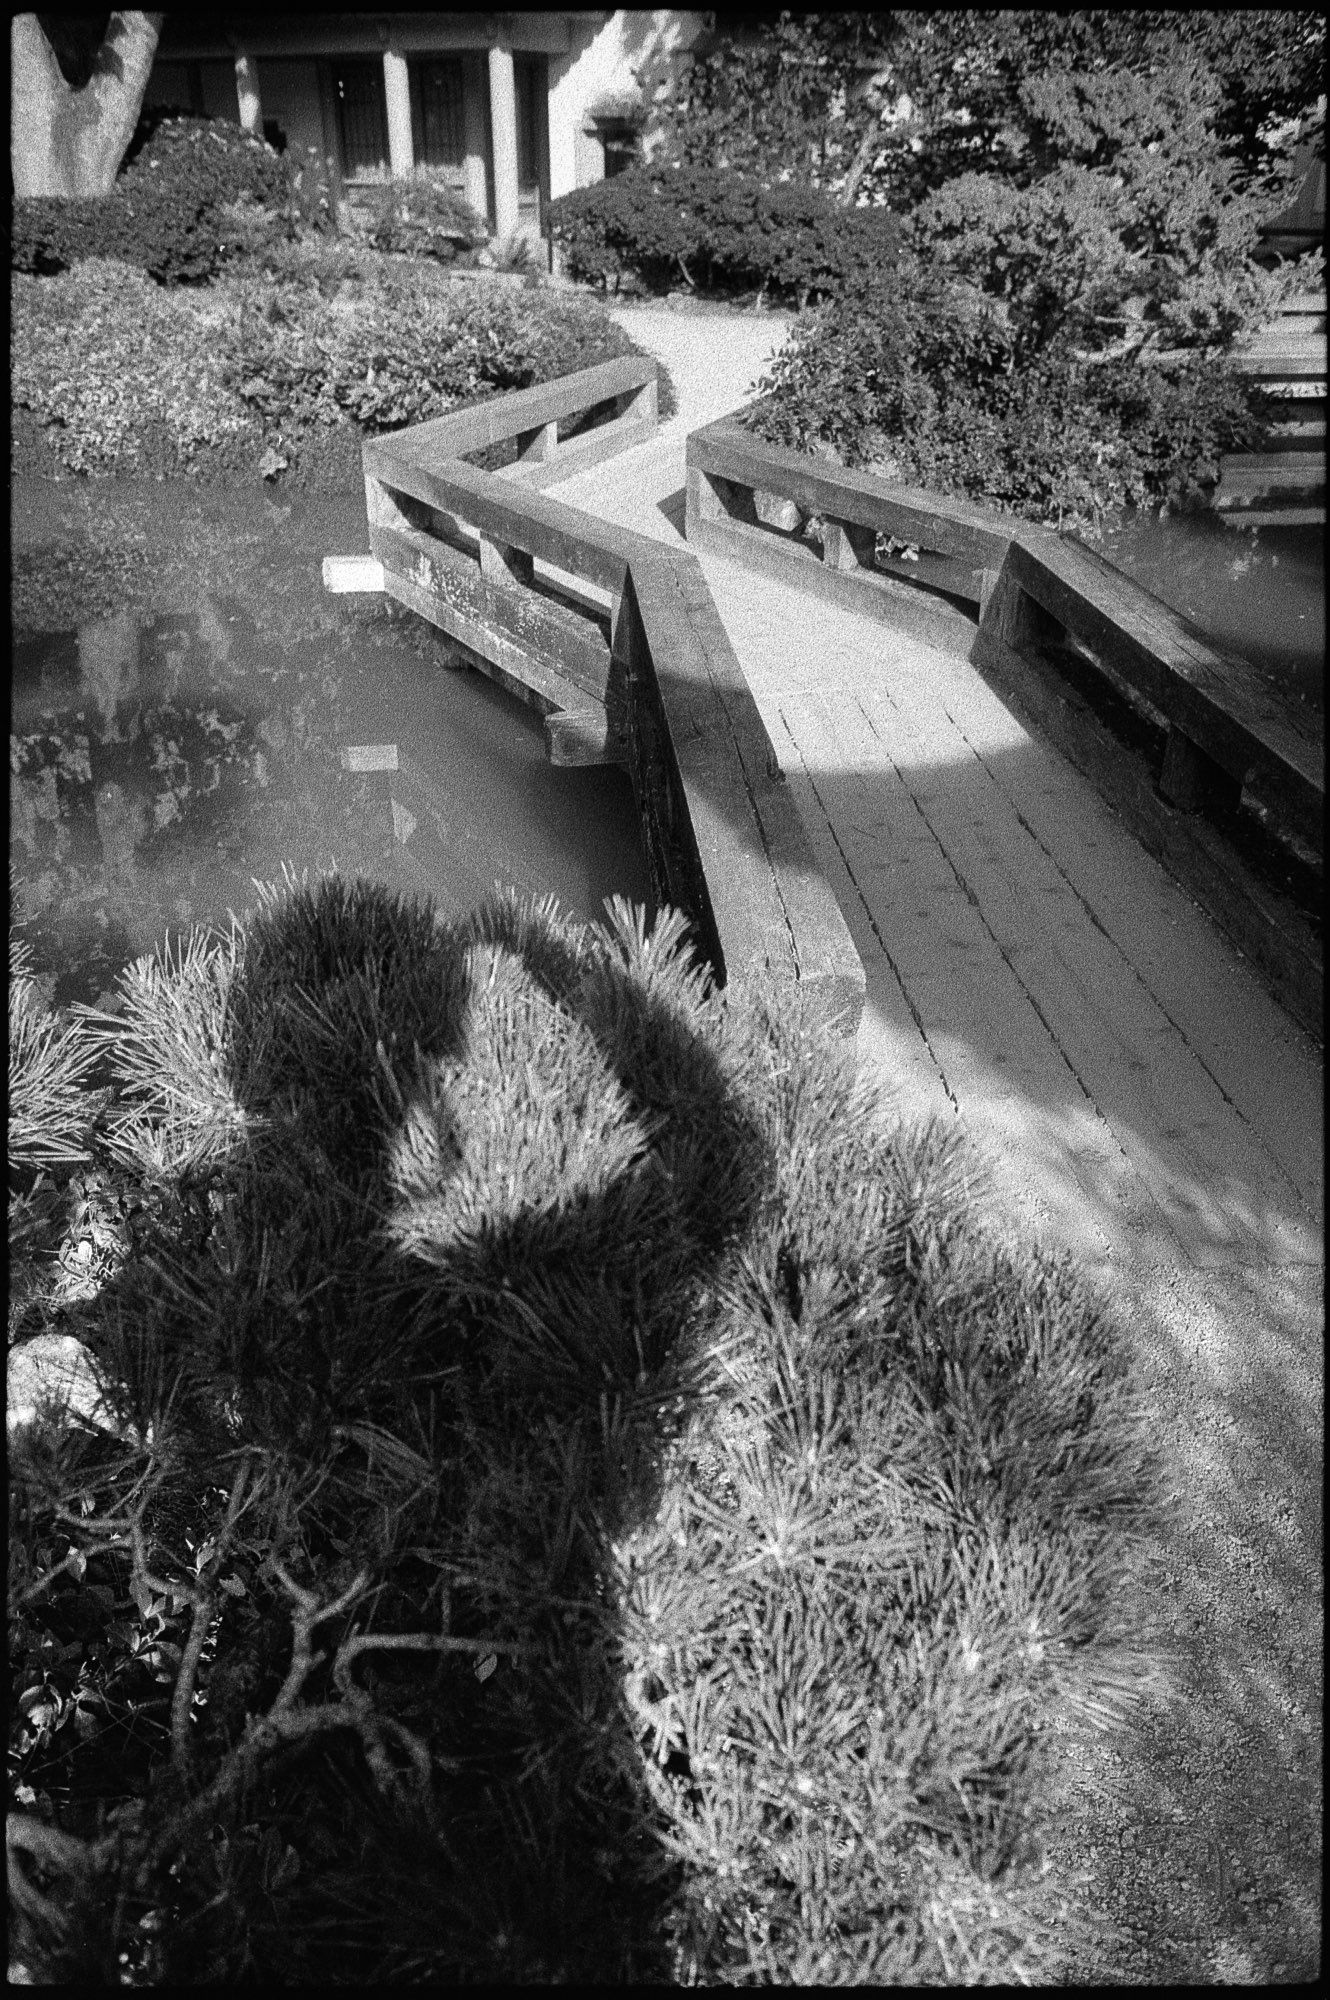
{"points": [[868, 145], [71, 142]]}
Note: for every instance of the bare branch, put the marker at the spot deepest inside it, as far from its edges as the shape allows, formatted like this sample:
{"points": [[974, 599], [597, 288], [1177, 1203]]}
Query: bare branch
{"points": [[308, 1614]]}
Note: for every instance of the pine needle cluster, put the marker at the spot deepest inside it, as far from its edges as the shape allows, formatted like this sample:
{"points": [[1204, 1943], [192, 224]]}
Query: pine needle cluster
{"points": [[609, 1512]]}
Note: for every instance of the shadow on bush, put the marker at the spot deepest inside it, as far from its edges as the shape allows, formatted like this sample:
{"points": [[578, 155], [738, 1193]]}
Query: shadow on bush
{"points": [[699, 1525], [454, 1352]]}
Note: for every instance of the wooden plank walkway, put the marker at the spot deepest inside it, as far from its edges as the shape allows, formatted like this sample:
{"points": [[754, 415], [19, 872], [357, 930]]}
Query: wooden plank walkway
{"points": [[1030, 970]]}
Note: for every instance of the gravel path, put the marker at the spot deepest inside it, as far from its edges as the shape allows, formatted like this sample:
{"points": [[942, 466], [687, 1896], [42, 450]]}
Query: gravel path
{"points": [[1144, 1101]]}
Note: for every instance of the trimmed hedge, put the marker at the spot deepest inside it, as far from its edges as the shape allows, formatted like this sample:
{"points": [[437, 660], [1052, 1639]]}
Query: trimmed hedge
{"points": [[720, 229]]}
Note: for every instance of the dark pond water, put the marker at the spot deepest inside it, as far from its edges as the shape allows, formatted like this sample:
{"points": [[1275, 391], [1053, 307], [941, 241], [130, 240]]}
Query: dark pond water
{"points": [[163, 758], [1260, 592]]}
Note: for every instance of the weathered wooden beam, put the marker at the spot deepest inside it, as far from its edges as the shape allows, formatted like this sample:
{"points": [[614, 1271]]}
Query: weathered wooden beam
{"points": [[510, 513], [501, 563], [579, 453], [538, 444], [1217, 701], [503, 624], [861, 589], [773, 912], [578, 737], [847, 548], [1189, 779], [1259, 923]]}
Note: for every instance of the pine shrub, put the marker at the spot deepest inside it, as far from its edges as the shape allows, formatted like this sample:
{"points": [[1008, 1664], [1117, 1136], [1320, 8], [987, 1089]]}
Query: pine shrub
{"points": [[726, 1516]]}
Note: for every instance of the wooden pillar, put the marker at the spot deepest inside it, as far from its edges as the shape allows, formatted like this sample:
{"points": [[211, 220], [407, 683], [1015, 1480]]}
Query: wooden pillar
{"points": [[473, 136], [247, 94], [503, 126], [846, 546], [397, 97]]}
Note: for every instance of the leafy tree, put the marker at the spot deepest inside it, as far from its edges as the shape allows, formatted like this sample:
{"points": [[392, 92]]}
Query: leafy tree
{"points": [[786, 98], [73, 107], [1095, 185], [980, 85]]}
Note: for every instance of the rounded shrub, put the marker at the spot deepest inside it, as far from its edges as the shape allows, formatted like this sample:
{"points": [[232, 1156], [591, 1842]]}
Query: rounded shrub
{"points": [[721, 230]]}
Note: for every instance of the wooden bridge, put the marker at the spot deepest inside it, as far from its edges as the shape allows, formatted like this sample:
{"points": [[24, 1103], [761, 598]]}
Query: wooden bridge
{"points": [[823, 689]]}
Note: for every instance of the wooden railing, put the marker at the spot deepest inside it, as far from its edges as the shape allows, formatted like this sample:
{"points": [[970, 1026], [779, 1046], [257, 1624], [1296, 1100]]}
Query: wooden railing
{"points": [[614, 639], [984, 585]]}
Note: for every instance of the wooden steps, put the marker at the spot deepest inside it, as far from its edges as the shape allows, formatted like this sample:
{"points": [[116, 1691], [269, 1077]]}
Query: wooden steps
{"points": [[1283, 485]]}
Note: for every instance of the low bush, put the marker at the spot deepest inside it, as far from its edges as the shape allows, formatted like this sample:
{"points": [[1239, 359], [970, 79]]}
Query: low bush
{"points": [[422, 217], [399, 349], [720, 230], [103, 357], [577, 1497]]}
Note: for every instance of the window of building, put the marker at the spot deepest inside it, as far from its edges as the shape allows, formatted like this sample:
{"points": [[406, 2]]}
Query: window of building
{"points": [[531, 89], [362, 119], [437, 108], [620, 141]]}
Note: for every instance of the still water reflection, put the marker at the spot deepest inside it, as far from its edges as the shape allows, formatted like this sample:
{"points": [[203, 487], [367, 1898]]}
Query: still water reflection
{"points": [[1259, 592], [160, 763]]}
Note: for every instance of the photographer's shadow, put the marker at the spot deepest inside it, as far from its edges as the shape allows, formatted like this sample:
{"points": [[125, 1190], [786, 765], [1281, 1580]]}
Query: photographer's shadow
{"points": [[548, 1163]]}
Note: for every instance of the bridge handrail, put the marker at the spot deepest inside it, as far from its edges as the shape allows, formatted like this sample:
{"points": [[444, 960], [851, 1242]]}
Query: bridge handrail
{"points": [[532, 416], [1222, 724]]}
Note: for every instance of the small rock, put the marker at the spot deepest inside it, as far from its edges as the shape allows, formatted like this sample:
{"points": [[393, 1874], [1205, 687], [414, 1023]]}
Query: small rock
{"points": [[52, 1378]]}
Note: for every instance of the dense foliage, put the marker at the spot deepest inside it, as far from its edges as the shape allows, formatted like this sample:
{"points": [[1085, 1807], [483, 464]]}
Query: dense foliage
{"points": [[103, 357], [980, 83], [192, 192], [720, 229], [792, 94], [890, 105], [112, 364], [563, 1490], [917, 381], [1085, 239]]}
